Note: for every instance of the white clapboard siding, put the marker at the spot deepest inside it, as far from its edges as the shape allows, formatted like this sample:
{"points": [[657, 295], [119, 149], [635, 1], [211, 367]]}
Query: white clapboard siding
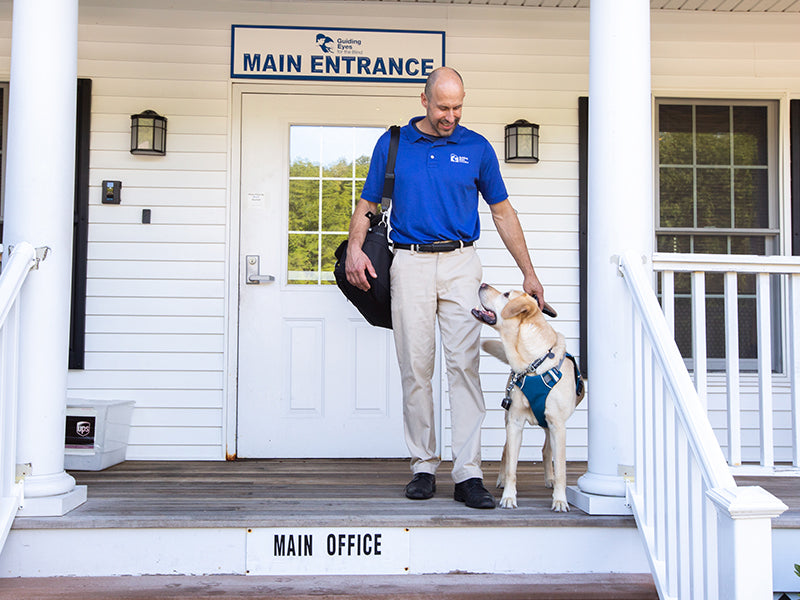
{"points": [[153, 251], [152, 342], [157, 398], [157, 306], [198, 307], [180, 69], [155, 324], [154, 361], [132, 288]]}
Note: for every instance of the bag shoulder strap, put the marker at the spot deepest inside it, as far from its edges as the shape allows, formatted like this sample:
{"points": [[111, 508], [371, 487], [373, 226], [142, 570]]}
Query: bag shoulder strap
{"points": [[388, 181]]}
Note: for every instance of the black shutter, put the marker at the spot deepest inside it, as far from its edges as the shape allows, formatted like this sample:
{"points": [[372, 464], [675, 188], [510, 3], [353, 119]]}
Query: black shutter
{"points": [[583, 240], [794, 128], [80, 231]]}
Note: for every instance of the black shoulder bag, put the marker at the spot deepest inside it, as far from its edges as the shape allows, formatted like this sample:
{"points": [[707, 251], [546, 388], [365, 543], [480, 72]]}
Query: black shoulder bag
{"points": [[375, 305]]}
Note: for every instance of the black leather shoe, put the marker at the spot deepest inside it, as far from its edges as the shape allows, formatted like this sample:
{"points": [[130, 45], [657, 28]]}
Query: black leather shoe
{"points": [[472, 493], [421, 487]]}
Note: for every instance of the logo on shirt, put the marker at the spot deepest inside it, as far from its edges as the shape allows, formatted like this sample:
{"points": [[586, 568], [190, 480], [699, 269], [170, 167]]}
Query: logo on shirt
{"points": [[464, 160]]}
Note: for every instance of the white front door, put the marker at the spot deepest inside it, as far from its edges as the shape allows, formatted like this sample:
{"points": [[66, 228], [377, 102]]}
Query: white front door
{"points": [[314, 378]]}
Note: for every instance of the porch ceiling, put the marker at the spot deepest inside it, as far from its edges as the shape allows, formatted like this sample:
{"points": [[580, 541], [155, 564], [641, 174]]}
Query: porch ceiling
{"points": [[752, 6]]}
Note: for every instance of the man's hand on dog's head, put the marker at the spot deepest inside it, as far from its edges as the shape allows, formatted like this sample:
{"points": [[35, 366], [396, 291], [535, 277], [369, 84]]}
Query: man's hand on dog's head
{"points": [[534, 287]]}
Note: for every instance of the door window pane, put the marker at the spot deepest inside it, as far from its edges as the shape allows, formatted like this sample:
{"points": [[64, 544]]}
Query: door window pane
{"points": [[327, 169]]}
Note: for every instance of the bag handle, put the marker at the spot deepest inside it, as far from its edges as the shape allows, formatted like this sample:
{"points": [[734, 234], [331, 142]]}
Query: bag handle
{"points": [[388, 181]]}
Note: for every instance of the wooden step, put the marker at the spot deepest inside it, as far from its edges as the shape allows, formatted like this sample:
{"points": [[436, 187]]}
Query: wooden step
{"points": [[404, 587]]}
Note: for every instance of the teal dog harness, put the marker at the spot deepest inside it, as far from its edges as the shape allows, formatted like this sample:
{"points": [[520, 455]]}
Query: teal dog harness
{"points": [[537, 387]]}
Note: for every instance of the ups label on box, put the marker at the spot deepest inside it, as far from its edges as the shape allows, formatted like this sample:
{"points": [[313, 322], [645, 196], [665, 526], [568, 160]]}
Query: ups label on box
{"points": [[80, 432]]}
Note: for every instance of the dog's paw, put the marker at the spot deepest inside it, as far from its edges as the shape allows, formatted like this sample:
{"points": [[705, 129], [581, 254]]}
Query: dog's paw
{"points": [[560, 505], [549, 483], [501, 481], [508, 502]]}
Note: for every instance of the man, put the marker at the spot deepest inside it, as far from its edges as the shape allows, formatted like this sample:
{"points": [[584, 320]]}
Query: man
{"points": [[441, 166]]}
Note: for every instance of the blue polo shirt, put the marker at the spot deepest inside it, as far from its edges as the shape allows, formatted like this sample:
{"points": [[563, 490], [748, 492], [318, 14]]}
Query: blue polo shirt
{"points": [[437, 180]]}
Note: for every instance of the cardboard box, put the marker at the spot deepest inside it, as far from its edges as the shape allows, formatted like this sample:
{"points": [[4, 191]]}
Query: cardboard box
{"points": [[96, 434]]}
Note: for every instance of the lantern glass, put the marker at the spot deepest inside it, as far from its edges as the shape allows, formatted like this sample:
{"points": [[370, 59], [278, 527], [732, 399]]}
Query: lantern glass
{"points": [[522, 142], [148, 133]]}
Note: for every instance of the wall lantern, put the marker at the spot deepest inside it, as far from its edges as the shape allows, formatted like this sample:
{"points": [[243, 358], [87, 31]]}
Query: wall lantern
{"points": [[149, 133], [522, 142]]}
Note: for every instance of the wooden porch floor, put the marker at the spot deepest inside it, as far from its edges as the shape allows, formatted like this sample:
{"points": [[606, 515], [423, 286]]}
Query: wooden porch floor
{"points": [[331, 492], [299, 492]]}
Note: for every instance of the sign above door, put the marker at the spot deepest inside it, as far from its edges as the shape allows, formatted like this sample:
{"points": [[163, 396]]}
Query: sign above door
{"points": [[332, 54]]}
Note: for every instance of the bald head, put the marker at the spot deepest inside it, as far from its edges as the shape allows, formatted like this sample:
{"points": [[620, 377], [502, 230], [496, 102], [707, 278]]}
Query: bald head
{"points": [[440, 73], [443, 98]]}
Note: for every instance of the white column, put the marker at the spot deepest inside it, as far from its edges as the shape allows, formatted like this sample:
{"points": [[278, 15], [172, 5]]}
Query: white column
{"points": [[620, 217], [40, 172]]}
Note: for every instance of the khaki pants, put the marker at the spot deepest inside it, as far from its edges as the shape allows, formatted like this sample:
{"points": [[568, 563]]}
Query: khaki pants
{"points": [[444, 285]]}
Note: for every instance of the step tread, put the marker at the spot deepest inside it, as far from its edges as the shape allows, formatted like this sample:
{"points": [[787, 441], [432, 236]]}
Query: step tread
{"points": [[571, 586]]}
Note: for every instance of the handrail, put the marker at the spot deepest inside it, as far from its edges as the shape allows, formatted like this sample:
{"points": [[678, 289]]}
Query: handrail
{"points": [[689, 410], [723, 263], [682, 478], [15, 270], [774, 284]]}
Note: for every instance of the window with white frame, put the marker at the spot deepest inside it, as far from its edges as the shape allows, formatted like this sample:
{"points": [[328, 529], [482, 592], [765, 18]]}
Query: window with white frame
{"points": [[717, 194]]}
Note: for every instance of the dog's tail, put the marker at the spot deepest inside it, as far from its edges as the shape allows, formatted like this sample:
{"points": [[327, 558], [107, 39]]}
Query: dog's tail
{"points": [[495, 348]]}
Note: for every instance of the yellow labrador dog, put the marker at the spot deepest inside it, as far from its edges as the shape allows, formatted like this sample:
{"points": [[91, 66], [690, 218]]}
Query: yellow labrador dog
{"points": [[540, 365]]}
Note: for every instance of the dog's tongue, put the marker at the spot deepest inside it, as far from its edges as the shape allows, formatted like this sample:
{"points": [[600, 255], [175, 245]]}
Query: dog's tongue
{"points": [[486, 316]]}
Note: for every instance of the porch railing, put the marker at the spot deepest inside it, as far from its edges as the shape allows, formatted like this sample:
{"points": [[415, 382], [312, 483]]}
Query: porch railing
{"points": [[705, 536], [15, 269], [777, 294]]}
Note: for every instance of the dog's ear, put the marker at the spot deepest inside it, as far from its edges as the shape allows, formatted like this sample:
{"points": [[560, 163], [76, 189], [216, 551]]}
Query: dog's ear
{"points": [[519, 305], [495, 348]]}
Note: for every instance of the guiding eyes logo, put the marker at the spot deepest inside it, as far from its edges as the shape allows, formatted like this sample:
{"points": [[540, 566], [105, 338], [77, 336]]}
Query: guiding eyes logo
{"points": [[464, 160], [324, 42]]}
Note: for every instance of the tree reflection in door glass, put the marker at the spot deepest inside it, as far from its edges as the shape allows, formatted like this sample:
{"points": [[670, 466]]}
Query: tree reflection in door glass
{"points": [[327, 168]]}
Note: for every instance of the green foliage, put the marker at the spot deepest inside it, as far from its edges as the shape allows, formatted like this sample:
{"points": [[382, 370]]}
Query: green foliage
{"points": [[302, 167], [304, 205], [303, 255], [319, 215], [675, 196], [337, 205]]}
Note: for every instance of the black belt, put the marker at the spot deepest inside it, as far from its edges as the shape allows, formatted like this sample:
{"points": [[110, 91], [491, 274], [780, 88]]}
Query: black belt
{"points": [[448, 246]]}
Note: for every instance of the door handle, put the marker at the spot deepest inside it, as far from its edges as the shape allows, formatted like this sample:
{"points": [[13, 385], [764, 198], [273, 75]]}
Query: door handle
{"points": [[253, 270]]}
